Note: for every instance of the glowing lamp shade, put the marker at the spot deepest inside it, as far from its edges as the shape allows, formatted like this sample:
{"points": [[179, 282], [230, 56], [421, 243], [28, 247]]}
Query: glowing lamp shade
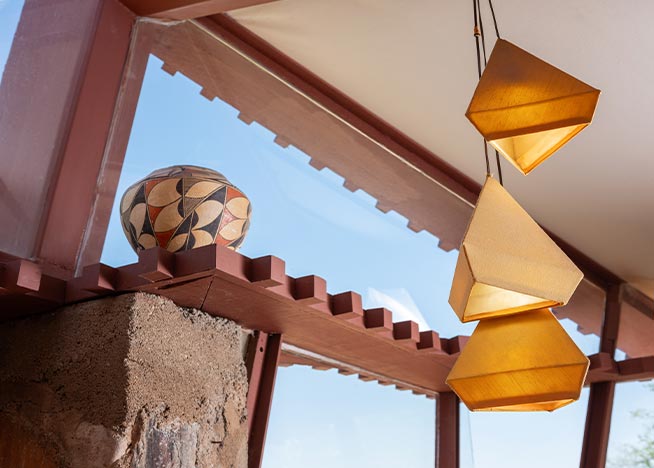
{"points": [[507, 263], [526, 108], [522, 363]]}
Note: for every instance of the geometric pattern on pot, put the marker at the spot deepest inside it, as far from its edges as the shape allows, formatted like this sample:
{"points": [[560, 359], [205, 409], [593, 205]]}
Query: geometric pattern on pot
{"points": [[184, 207]]}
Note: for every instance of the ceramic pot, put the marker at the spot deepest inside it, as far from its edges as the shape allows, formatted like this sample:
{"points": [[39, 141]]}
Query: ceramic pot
{"points": [[184, 207]]}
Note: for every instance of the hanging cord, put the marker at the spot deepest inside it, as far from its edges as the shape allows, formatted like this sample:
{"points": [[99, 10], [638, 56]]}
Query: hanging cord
{"points": [[479, 31], [497, 31], [499, 168], [482, 34]]}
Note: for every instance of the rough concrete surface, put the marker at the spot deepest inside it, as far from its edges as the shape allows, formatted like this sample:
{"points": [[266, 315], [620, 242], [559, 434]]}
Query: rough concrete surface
{"points": [[131, 381]]}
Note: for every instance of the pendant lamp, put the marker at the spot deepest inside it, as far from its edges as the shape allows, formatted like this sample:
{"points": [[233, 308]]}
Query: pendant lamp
{"points": [[507, 263], [526, 362], [526, 108]]}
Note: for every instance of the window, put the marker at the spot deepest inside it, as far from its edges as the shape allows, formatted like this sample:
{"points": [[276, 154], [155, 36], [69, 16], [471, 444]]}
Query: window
{"points": [[634, 333], [631, 441], [509, 440], [323, 420], [299, 214]]}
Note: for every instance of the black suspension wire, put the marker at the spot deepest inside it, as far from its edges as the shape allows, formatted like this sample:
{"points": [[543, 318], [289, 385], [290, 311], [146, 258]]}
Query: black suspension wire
{"points": [[499, 168], [497, 31], [477, 33], [481, 29]]}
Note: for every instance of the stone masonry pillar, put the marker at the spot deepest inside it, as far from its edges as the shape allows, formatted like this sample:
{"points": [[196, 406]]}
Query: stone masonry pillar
{"points": [[131, 381]]}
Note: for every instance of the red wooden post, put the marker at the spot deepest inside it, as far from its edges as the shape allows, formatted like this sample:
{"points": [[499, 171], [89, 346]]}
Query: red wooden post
{"points": [[598, 424], [600, 402], [144, 34], [447, 430], [254, 364], [262, 362]]}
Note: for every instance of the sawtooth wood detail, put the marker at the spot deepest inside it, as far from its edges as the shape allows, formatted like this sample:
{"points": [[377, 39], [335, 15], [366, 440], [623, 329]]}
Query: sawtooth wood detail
{"points": [[257, 294]]}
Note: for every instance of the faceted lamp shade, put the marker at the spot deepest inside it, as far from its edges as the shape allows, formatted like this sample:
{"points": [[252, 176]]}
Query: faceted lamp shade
{"points": [[526, 108], [507, 263], [522, 363], [184, 207]]}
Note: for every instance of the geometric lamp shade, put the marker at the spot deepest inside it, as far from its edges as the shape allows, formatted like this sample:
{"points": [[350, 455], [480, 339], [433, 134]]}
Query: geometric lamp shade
{"points": [[522, 363], [526, 108], [507, 263]]}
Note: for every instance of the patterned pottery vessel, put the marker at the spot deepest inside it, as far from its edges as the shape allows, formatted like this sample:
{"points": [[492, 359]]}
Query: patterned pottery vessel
{"points": [[184, 207]]}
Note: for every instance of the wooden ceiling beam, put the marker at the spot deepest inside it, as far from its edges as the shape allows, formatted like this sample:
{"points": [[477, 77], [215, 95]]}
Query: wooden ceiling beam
{"points": [[294, 356], [603, 368], [638, 300], [186, 9]]}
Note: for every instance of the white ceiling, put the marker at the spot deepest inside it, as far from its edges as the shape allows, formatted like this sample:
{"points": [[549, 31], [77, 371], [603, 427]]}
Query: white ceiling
{"points": [[413, 63]]}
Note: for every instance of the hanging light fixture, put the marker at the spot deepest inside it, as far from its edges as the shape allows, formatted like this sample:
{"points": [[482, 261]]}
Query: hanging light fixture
{"points": [[507, 263], [509, 271], [526, 108], [525, 362]]}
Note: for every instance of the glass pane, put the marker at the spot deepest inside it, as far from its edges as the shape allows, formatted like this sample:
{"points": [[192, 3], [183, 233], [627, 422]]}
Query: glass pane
{"points": [[43, 47], [587, 341], [582, 318], [299, 214], [635, 334], [631, 442], [322, 419], [9, 15], [516, 440]]}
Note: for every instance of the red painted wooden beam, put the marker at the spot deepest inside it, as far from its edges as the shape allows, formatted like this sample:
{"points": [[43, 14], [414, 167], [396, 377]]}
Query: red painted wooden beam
{"points": [[262, 374], [447, 430], [257, 294], [254, 364], [598, 424], [603, 368], [638, 300], [187, 9], [600, 402]]}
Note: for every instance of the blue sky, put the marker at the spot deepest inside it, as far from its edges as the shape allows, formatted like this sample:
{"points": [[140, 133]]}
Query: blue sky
{"points": [[306, 217], [9, 14]]}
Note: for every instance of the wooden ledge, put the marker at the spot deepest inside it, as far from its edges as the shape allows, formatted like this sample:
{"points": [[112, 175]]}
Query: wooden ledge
{"points": [[257, 294]]}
